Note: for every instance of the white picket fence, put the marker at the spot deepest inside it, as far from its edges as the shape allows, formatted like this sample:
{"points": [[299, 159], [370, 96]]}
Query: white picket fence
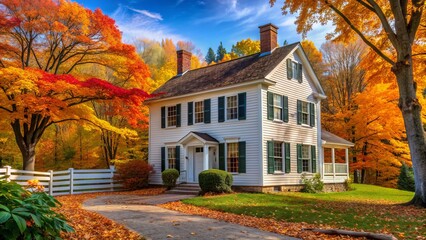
{"points": [[71, 181]]}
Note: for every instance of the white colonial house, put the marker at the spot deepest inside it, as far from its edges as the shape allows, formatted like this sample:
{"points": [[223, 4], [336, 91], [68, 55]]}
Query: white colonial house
{"points": [[257, 117]]}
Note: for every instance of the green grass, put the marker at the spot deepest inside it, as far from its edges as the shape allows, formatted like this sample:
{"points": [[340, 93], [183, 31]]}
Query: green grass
{"points": [[368, 207]]}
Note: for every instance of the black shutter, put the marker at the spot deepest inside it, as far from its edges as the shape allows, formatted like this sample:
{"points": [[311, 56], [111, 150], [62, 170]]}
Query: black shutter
{"points": [[178, 115], [221, 108], [299, 73], [242, 157], [289, 69], [287, 157], [163, 117], [222, 156], [285, 108], [163, 159], [314, 159], [271, 159], [190, 113], [270, 107], [299, 158], [177, 152], [312, 114], [299, 112], [242, 100], [207, 111]]}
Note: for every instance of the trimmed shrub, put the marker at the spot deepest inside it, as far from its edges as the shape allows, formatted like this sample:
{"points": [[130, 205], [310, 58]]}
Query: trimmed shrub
{"points": [[312, 185], [26, 215], [406, 178], [133, 174], [216, 181], [170, 177]]}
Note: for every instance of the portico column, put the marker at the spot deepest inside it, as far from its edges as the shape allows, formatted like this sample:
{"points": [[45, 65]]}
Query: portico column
{"points": [[334, 162], [347, 161], [206, 157]]}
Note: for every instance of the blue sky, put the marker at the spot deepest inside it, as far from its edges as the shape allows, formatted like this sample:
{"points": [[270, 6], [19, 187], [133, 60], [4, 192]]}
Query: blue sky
{"points": [[204, 22]]}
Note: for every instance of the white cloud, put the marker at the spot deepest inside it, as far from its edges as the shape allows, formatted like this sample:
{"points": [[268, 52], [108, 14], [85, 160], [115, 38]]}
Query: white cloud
{"points": [[136, 25], [287, 22], [147, 13]]}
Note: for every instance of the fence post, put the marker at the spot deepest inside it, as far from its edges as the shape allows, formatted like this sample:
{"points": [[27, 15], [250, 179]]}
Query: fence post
{"points": [[112, 169], [8, 168], [71, 170], [51, 183]]}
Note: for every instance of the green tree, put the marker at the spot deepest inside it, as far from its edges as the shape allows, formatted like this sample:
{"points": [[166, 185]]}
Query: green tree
{"points": [[211, 56], [406, 178], [220, 53]]}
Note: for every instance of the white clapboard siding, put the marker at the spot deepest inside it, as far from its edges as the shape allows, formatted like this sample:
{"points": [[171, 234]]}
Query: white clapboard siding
{"points": [[246, 130], [289, 132], [70, 181]]}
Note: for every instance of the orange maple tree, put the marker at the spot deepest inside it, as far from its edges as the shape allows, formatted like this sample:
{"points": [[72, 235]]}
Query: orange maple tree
{"points": [[46, 46], [395, 31]]}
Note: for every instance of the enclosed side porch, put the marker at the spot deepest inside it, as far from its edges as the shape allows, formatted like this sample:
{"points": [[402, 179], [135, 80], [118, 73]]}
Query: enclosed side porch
{"points": [[336, 158], [200, 153]]}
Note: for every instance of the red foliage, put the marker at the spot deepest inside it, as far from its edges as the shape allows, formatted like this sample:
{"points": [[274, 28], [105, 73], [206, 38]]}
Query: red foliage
{"points": [[134, 174]]}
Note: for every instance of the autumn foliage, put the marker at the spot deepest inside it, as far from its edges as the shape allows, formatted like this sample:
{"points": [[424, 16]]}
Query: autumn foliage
{"points": [[133, 174], [53, 54]]}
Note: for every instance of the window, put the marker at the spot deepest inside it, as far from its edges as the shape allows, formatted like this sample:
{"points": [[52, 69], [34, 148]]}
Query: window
{"points": [[305, 113], [278, 110], [278, 156], [232, 157], [306, 158], [171, 116], [294, 70], [231, 107], [199, 149], [171, 157], [199, 112]]}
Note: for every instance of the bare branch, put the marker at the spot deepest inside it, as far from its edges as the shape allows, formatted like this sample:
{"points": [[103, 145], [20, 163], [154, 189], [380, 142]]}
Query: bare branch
{"points": [[360, 34]]}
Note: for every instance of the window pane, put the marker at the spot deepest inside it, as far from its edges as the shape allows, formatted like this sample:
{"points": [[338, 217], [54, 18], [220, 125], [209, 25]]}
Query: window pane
{"points": [[305, 113], [306, 158], [231, 107], [294, 66], [199, 112], [278, 107], [278, 156], [171, 116], [232, 157], [171, 157]]}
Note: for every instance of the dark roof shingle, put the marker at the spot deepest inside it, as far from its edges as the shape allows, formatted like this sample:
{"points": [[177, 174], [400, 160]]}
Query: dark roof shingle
{"points": [[244, 69], [205, 136]]}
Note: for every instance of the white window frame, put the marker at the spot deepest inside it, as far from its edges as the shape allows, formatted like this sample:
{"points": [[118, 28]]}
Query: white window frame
{"points": [[294, 69], [226, 107], [309, 159], [167, 116], [308, 113], [230, 141], [278, 107], [202, 112], [170, 150], [281, 144]]}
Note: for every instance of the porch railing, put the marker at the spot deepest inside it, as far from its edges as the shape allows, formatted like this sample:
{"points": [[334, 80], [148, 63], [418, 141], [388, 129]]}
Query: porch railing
{"points": [[340, 168]]}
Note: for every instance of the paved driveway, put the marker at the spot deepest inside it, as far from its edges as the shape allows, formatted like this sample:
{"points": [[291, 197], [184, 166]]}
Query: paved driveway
{"points": [[152, 222]]}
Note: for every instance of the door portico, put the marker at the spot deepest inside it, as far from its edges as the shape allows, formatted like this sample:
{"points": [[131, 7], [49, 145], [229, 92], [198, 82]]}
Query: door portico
{"points": [[200, 151]]}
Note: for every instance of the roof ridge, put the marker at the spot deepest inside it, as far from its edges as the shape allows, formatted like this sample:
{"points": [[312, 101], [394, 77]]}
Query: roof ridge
{"points": [[258, 53]]}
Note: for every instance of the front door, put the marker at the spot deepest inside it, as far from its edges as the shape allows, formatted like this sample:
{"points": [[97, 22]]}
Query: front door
{"points": [[198, 162]]}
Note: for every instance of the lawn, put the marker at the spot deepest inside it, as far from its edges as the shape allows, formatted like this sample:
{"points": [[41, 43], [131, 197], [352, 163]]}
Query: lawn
{"points": [[367, 208]]}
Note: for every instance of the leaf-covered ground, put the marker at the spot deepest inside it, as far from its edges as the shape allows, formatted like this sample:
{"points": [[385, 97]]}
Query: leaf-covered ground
{"points": [[367, 208], [90, 225]]}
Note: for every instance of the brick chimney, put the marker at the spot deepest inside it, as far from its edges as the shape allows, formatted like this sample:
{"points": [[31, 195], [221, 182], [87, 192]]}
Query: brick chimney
{"points": [[268, 38], [183, 61]]}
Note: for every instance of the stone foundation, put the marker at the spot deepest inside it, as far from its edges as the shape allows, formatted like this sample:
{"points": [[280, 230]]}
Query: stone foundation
{"points": [[328, 187]]}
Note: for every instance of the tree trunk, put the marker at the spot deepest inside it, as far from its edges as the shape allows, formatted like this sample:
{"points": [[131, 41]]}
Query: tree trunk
{"points": [[27, 135], [411, 112]]}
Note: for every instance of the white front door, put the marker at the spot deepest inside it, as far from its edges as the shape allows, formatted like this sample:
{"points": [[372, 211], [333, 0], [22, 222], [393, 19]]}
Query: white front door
{"points": [[198, 162]]}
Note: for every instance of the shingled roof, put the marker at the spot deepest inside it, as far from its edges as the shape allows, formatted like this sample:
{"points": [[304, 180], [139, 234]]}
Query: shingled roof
{"points": [[240, 70]]}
